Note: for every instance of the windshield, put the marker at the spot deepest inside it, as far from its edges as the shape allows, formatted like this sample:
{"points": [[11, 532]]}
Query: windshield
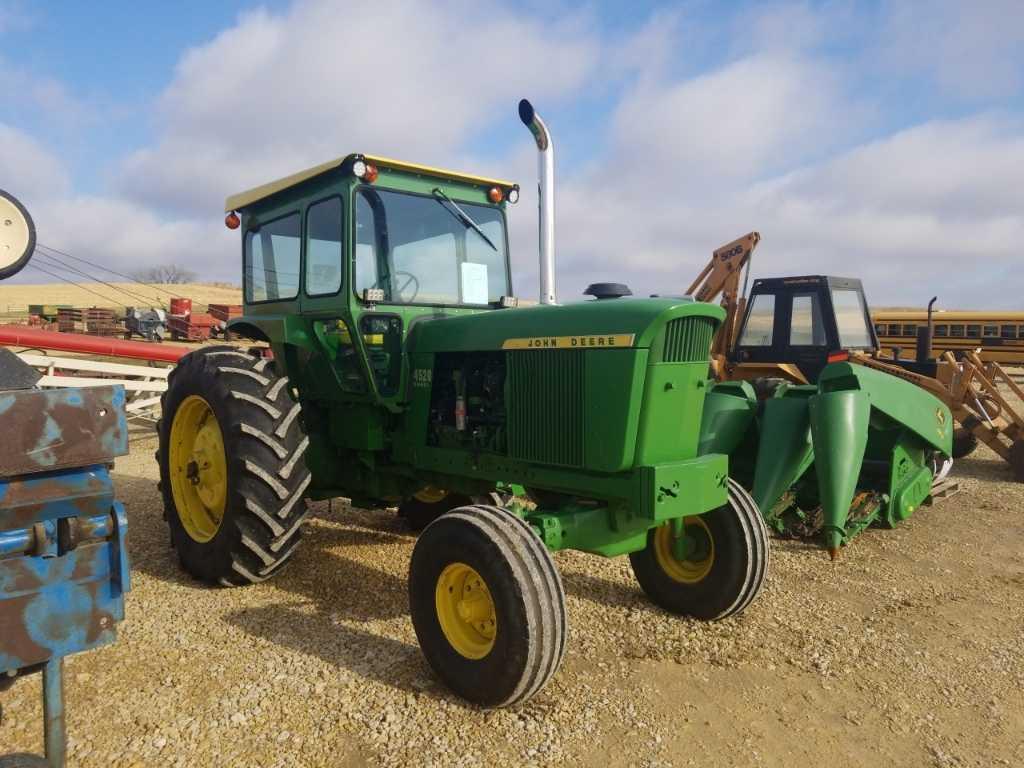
{"points": [[851, 318], [418, 250]]}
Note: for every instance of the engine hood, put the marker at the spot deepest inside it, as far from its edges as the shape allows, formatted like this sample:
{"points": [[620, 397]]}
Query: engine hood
{"points": [[612, 323]]}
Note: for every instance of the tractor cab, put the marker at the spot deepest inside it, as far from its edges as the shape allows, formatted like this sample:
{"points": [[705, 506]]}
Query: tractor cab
{"points": [[794, 326], [340, 261]]}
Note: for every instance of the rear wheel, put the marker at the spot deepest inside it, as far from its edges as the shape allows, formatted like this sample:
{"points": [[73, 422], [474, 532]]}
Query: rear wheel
{"points": [[724, 570], [964, 442], [1016, 458], [232, 471], [429, 503], [487, 605]]}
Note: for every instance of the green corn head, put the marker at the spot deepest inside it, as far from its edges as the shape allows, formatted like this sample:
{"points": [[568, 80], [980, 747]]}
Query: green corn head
{"points": [[832, 458]]}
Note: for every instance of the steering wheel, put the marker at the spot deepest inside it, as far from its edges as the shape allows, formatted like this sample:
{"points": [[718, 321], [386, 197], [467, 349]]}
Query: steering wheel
{"points": [[410, 280]]}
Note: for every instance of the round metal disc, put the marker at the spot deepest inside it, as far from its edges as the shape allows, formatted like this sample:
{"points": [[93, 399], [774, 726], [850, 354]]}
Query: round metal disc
{"points": [[17, 235]]}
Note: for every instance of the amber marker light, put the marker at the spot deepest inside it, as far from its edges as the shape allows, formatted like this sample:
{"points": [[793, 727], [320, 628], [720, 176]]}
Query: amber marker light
{"points": [[838, 357], [231, 221], [494, 195]]}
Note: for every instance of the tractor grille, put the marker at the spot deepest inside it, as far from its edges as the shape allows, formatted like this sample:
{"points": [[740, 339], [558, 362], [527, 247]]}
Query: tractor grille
{"points": [[688, 340], [545, 407]]}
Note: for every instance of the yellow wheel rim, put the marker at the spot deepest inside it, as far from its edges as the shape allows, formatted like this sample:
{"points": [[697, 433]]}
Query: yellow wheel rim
{"points": [[198, 468], [430, 495], [465, 611], [684, 571]]}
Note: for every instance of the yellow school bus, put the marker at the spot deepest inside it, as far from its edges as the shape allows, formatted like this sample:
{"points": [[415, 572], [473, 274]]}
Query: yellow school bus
{"points": [[999, 335]]}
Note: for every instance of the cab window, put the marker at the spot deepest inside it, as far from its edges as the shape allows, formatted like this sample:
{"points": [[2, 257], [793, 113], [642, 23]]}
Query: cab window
{"points": [[430, 249], [323, 247], [757, 332], [806, 326], [851, 318], [271, 260]]}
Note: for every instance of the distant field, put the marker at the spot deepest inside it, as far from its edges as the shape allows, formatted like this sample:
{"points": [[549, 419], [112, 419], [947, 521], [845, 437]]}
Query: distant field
{"points": [[14, 299]]}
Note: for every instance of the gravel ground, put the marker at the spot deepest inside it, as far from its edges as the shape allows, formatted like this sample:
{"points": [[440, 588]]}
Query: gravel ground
{"points": [[909, 650]]}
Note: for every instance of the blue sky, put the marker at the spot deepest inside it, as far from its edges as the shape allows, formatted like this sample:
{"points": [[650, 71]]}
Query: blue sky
{"points": [[878, 139]]}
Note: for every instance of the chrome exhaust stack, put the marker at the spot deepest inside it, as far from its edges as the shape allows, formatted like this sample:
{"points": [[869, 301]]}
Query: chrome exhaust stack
{"points": [[545, 198]]}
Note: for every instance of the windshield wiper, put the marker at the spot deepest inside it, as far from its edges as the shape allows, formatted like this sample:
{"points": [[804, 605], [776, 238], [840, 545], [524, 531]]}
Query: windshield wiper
{"points": [[462, 216]]}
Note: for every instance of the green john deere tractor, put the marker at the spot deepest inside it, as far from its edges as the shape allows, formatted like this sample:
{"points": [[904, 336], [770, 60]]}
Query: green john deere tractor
{"points": [[402, 373]]}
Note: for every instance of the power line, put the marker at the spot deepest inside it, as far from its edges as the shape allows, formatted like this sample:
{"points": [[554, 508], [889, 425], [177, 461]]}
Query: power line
{"points": [[106, 269], [72, 282], [75, 270]]}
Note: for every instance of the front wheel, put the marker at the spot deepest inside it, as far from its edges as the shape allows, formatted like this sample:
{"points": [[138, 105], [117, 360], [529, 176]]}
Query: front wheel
{"points": [[723, 572], [487, 605]]}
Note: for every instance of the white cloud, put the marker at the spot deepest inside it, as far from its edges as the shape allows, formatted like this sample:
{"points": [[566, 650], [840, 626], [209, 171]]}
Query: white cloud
{"points": [[971, 50], [280, 92], [27, 169]]}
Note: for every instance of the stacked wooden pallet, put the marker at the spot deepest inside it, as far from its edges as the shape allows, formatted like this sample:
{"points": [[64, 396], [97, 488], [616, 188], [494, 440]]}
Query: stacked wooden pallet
{"points": [[96, 321], [196, 326], [225, 312]]}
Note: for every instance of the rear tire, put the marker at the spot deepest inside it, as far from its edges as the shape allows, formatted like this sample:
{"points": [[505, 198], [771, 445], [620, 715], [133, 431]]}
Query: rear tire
{"points": [[506, 648], [425, 507], [237, 523], [964, 442], [1016, 457], [723, 582]]}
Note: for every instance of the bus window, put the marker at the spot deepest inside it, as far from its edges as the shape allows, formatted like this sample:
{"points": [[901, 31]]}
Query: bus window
{"points": [[1009, 332], [956, 331], [990, 331], [974, 331], [910, 330], [942, 330], [880, 329], [894, 330]]}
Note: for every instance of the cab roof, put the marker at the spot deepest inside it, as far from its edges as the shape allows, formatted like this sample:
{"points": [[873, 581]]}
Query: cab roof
{"points": [[250, 196]]}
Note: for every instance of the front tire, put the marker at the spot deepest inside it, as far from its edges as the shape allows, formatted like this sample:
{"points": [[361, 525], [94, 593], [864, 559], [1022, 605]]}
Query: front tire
{"points": [[232, 471], [487, 605], [723, 576]]}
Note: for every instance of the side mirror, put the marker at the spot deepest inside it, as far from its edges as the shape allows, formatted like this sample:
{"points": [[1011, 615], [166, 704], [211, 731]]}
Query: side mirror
{"points": [[17, 236]]}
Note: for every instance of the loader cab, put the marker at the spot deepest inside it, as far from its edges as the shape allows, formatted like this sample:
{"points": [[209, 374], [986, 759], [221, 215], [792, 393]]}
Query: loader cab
{"points": [[799, 322]]}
